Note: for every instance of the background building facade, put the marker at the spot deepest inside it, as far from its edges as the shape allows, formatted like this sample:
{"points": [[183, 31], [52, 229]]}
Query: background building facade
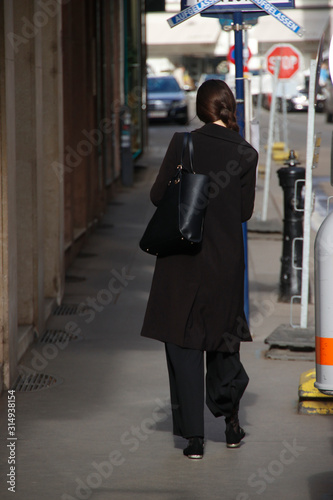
{"points": [[201, 45]]}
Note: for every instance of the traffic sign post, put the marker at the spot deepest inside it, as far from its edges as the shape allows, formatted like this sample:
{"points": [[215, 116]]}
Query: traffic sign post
{"points": [[239, 65], [282, 61], [237, 8], [238, 22]]}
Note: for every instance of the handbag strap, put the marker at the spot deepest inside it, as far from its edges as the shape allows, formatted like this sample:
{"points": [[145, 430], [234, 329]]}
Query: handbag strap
{"points": [[187, 140]]}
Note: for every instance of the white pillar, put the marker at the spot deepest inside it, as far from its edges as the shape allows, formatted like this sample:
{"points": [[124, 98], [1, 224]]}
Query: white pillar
{"points": [[308, 197], [323, 304]]}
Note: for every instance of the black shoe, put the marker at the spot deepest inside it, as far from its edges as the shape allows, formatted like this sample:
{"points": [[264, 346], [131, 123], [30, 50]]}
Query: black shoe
{"points": [[195, 448], [233, 433]]}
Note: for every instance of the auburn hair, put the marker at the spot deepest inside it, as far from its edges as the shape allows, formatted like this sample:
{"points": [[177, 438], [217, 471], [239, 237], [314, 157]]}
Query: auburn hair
{"points": [[215, 101]]}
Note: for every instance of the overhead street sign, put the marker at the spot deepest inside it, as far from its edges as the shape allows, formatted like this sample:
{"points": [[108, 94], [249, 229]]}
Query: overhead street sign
{"points": [[283, 18], [245, 6], [190, 11]]}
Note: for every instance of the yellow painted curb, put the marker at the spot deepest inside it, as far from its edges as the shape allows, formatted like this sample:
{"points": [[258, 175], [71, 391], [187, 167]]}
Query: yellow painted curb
{"points": [[279, 146], [311, 400], [315, 407]]}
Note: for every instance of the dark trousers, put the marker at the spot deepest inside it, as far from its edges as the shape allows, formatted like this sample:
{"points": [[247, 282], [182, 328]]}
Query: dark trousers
{"points": [[226, 381]]}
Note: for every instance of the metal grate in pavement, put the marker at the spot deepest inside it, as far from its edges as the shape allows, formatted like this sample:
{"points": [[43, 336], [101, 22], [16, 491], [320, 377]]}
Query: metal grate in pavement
{"points": [[287, 336], [69, 309], [35, 382], [58, 337], [291, 354]]}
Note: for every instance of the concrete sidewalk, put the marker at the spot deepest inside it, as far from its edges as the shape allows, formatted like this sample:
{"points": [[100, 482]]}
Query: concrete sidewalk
{"points": [[104, 432]]}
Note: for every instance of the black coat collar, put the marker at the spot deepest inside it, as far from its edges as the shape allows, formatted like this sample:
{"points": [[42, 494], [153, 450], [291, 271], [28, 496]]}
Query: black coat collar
{"points": [[214, 130]]}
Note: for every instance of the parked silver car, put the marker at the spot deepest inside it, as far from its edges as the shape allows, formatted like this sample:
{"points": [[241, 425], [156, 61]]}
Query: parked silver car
{"points": [[166, 100]]}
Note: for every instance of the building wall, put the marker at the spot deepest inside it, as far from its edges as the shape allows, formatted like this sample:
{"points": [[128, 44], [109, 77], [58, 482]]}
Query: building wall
{"points": [[62, 67], [32, 260], [135, 70], [8, 240], [82, 171], [53, 147]]}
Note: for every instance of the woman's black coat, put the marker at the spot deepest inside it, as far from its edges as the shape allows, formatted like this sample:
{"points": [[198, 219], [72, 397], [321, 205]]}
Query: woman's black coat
{"points": [[196, 301]]}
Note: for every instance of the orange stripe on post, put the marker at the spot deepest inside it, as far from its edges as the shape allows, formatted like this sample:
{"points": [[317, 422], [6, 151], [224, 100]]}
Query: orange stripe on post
{"points": [[324, 351]]}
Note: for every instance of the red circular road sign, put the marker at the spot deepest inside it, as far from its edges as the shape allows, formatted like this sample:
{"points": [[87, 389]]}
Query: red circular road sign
{"points": [[247, 54], [290, 60]]}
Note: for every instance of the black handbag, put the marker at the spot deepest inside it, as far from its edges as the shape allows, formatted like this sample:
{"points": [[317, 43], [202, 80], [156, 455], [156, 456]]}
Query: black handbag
{"points": [[177, 224]]}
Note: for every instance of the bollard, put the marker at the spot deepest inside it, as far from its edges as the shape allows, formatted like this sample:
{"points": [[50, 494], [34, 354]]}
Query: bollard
{"points": [[292, 251], [323, 306]]}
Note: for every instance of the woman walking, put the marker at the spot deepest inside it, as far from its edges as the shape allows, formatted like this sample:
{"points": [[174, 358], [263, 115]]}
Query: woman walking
{"points": [[196, 301]]}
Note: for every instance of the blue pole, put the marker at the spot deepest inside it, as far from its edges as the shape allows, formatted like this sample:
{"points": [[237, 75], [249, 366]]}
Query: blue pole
{"points": [[238, 21]]}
